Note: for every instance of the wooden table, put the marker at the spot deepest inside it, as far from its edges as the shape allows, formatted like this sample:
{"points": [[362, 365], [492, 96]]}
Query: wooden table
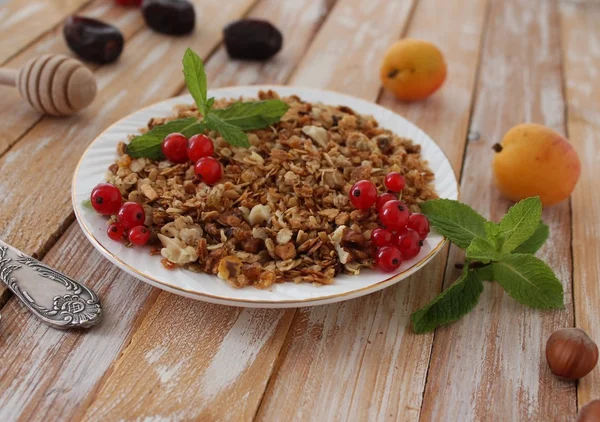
{"points": [[158, 356]]}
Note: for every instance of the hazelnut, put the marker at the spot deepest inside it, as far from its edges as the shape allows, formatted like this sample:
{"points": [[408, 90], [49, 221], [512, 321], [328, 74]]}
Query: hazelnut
{"points": [[571, 353], [590, 412]]}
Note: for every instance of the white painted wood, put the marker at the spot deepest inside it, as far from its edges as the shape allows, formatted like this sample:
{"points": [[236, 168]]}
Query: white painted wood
{"points": [[491, 365], [21, 22], [581, 55], [381, 364]]}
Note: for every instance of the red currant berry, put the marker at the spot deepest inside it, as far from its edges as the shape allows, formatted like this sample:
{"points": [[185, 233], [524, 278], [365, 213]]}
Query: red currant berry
{"points": [[106, 199], [383, 198], [394, 182], [396, 236], [409, 244], [139, 235], [129, 2], [388, 258], [131, 215], [208, 170], [394, 215], [363, 194], [174, 147], [200, 146], [420, 224], [115, 231], [381, 237]]}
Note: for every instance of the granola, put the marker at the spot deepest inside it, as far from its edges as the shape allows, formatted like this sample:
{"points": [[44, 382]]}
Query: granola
{"points": [[281, 211]]}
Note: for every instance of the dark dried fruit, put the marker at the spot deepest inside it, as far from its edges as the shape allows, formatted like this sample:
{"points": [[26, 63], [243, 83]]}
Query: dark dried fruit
{"points": [[93, 40], [252, 39], [173, 17]]}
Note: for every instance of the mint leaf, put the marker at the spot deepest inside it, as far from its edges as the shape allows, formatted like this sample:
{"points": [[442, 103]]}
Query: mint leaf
{"points": [[482, 249], [209, 103], [233, 135], [535, 242], [150, 143], [252, 115], [519, 223], [87, 203], [195, 79], [455, 302], [529, 281], [485, 273], [455, 220], [193, 129]]}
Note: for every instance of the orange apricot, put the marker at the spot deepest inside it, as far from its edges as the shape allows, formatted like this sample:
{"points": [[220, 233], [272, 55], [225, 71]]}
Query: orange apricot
{"points": [[534, 160], [413, 69]]}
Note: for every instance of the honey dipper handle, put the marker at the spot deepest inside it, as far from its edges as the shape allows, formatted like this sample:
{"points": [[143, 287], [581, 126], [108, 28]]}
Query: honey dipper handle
{"points": [[8, 77]]}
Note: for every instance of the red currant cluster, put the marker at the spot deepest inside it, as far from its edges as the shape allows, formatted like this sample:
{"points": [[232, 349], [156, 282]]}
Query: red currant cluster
{"points": [[403, 233], [106, 200], [199, 149]]}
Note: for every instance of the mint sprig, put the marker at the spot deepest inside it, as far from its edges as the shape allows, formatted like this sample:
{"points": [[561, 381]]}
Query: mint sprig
{"points": [[500, 252], [230, 122]]}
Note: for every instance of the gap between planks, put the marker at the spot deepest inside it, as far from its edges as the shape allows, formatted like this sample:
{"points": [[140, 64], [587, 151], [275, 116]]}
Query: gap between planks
{"points": [[501, 337], [80, 238], [581, 62]]}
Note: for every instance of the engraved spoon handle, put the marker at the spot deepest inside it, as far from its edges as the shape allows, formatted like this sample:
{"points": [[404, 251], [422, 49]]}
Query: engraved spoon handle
{"points": [[56, 299]]}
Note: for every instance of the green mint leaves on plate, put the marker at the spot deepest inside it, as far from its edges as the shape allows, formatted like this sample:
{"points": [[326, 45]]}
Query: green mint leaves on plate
{"points": [[230, 122], [501, 252]]}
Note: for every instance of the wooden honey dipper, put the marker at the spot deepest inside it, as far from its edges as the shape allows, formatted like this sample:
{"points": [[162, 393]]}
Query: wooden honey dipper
{"points": [[53, 84]]}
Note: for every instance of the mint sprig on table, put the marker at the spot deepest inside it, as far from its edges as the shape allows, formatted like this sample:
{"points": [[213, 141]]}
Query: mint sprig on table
{"points": [[230, 122], [501, 252]]}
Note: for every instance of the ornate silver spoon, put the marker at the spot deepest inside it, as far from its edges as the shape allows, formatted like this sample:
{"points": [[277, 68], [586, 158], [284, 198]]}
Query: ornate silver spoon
{"points": [[56, 299]]}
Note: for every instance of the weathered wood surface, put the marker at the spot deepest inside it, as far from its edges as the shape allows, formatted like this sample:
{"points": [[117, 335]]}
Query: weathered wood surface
{"points": [[22, 22], [54, 146], [158, 356], [383, 364], [491, 365], [581, 63]]}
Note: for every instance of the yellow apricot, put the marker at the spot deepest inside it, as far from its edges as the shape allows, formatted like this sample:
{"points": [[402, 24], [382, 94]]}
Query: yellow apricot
{"points": [[412, 69], [534, 160]]}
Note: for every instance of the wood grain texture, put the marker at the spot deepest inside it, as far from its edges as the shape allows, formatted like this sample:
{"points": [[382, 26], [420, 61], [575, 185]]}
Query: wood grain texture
{"points": [[231, 362], [22, 115], [346, 53], [22, 22], [54, 146], [48, 374], [490, 365], [379, 364], [193, 361], [581, 61], [298, 22]]}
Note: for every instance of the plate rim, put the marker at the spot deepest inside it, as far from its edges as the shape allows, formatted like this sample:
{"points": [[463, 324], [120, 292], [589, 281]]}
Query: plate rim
{"points": [[218, 299]]}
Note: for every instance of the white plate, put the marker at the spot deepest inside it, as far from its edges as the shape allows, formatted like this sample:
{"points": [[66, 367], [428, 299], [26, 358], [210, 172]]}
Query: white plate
{"points": [[137, 262]]}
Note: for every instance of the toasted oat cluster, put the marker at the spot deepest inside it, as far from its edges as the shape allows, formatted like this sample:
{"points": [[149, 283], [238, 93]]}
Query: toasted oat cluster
{"points": [[281, 211]]}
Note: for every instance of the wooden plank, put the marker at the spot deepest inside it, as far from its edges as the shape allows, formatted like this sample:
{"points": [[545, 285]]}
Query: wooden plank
{"points": [[54, 146], [490, 365], [47, 374], [581, 56], [23, 22], [377, 365], [345, 54], [236, 329], [231, 363], [22, 115], [193, 361]]}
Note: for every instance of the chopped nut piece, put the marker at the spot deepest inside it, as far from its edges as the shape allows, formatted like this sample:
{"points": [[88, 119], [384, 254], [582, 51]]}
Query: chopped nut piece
{"points": [[317, 134], [259, 214]]}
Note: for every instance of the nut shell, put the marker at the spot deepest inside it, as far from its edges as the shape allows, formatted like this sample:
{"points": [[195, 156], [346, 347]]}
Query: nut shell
{"points": [[590, 412], [571, 353]]}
